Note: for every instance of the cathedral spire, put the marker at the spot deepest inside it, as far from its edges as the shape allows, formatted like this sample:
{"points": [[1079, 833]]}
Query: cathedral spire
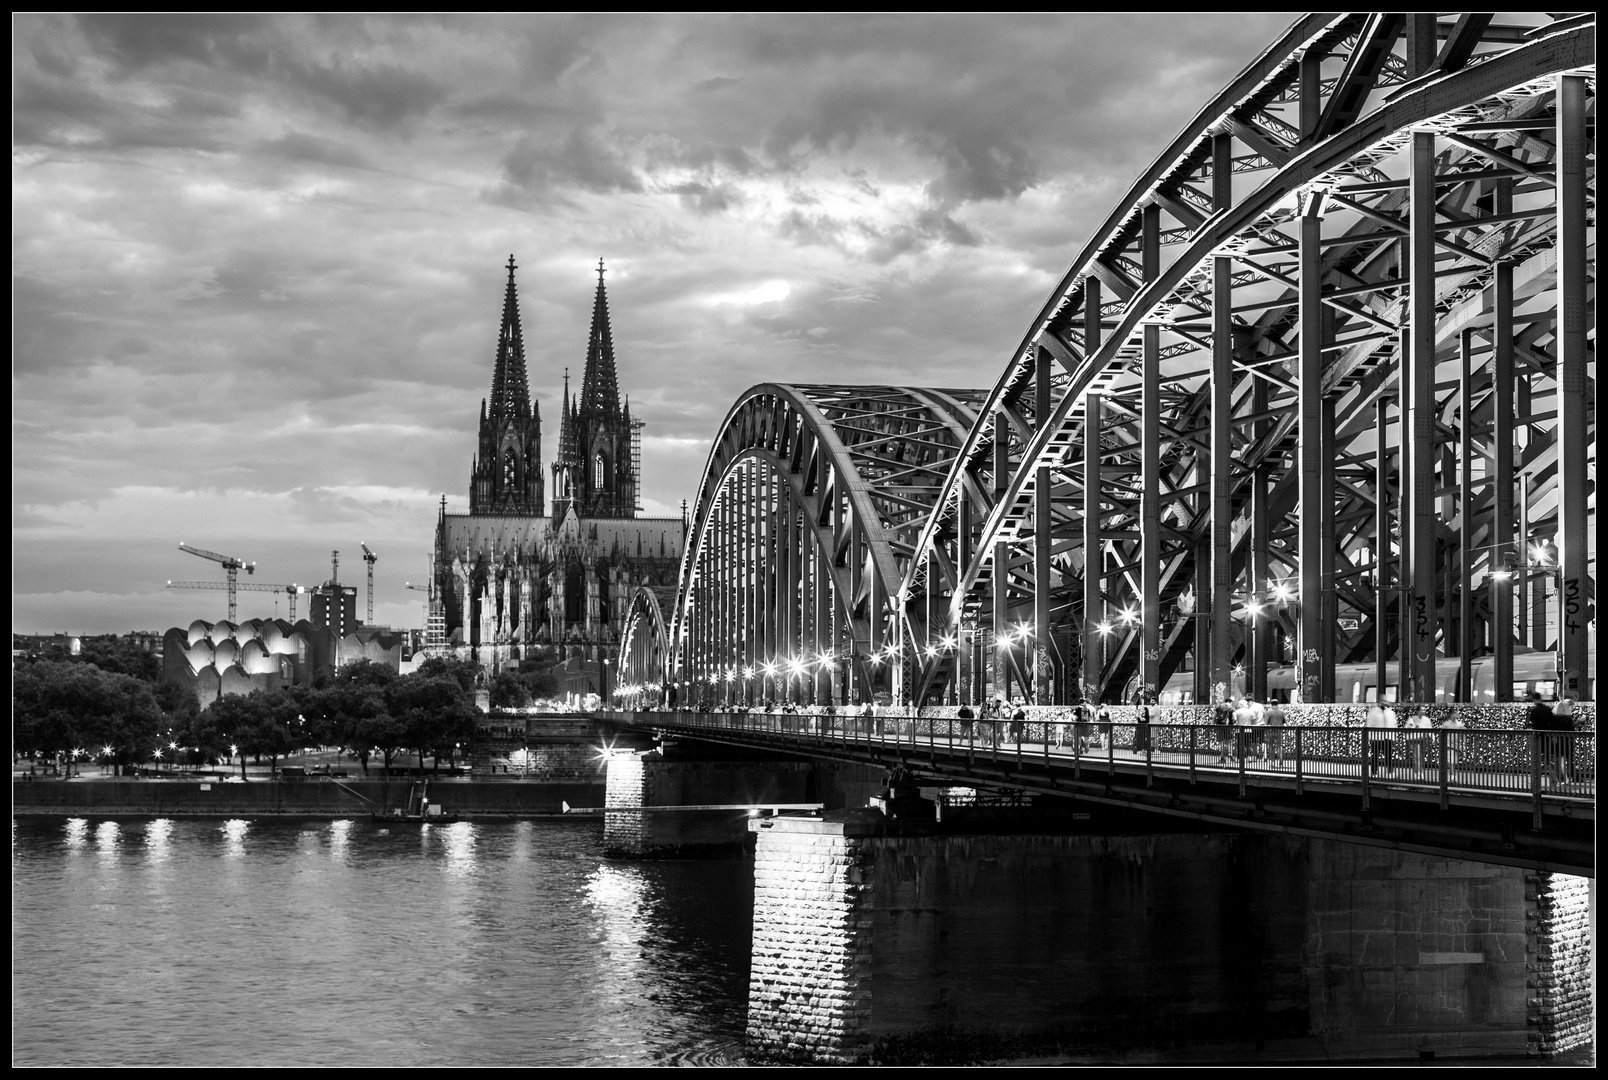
{"points": [[506, 473], [510, 394], [600, 391]]}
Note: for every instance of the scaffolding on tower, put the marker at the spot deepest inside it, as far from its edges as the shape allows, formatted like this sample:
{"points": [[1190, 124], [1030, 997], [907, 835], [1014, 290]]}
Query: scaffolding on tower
{"points": [[636, 465]]}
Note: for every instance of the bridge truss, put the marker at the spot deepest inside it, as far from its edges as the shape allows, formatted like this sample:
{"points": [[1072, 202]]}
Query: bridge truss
{"points": [[1319, 390], [1320, 375], [812, 502]]}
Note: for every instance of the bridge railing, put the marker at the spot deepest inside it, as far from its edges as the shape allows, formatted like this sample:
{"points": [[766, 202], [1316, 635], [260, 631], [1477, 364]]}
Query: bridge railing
{"points": [[1540, 764]]}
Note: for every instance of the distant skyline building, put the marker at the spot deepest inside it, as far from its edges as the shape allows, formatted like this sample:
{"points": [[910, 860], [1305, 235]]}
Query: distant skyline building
{"points": [[512, 579]]}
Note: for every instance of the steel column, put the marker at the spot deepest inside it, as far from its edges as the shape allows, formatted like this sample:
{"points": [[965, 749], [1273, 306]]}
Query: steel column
{"points": [[1217, 603], [1260, 560], [1001, 589], [1093, 546], [1573, 431], [1418, 385], [1309, 643], [1465, 519], [1502, 410], [1382, 557], [1046, 665], [1150, 472], [966, 637]]}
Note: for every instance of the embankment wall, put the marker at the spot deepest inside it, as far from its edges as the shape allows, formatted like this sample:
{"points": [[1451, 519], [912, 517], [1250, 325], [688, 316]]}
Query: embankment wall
{"points": [[312, 797]]}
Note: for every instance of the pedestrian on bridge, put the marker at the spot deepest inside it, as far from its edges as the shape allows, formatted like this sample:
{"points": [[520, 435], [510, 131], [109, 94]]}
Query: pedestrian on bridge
{"points": [[966, 716], [1223, 728], [1018, 721], [1419, 738], [1083, 730], [1141, 727], [1544, 721], [1381, 739], [1102, 731], [1275, 731], [1258, 717], [1454, 741], [1243, 733], [1563, 740]]}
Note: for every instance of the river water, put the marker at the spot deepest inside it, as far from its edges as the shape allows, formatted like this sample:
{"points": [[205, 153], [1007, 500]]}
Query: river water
{"points": [[198, 942]]}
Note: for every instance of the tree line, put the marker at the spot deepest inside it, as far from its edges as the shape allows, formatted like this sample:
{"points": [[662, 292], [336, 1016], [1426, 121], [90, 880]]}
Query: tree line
{"points": [[107, 705]]}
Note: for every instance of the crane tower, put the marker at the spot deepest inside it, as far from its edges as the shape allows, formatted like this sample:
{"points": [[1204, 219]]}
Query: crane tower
{"points": [[231, 565], [370, 558]]}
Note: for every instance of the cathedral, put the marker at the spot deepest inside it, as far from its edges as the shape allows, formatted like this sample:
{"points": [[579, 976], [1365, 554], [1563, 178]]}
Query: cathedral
{"points": [[512, 580]]}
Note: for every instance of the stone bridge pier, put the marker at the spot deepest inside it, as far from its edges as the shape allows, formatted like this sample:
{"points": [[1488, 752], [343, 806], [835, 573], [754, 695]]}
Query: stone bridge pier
{"points": [[874, 942]]}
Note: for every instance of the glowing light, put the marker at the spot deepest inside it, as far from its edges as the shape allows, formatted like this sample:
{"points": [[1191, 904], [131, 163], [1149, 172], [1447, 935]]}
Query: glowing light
{"points": [[1253, 609], [931, 652], [1002, 643], [1282, 591], [1104, 628], [949, 643], [770, 668], [1128, 616]]}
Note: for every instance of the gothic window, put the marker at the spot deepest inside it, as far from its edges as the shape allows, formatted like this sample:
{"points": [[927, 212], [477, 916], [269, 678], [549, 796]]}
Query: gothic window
{"points": [[597, 473], [510, 470], [603, 591]]}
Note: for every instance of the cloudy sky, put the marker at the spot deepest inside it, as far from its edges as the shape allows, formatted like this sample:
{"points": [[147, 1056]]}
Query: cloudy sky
{"points": [[258, 262]]}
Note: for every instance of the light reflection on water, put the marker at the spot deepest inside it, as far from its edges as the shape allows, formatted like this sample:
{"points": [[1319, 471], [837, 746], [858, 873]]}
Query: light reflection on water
{"points": [[270, 942]]}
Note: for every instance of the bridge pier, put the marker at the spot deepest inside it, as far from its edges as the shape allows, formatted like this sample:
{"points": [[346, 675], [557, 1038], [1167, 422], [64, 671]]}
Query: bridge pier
{"points": [[706, 774], [870, 946]]}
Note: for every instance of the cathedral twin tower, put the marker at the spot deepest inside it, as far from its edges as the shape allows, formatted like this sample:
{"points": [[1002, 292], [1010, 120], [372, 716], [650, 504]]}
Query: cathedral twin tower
{"points": [[517, 580], [596, 472]]}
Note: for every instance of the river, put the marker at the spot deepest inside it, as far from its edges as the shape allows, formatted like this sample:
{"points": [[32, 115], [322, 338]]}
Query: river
{"points": [[197, 942]]}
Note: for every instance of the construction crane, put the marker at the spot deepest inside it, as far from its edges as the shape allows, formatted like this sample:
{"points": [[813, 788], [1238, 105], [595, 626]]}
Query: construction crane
{"points": [[370, 558], [292, 591], [231, 565]]}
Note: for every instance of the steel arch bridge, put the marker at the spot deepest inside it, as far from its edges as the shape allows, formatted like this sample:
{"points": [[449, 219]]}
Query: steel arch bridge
{"points": [[811, 505], [1319, 390], [1321, 374]]}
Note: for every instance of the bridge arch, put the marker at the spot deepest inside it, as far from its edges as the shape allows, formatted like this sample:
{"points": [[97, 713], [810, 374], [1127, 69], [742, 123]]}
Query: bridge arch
{"points": [[806, 519], [1196, 454], [644, 649]]}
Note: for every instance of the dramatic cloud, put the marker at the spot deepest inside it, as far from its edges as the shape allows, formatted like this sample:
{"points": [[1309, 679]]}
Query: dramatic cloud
{"points": [[258, 261]]}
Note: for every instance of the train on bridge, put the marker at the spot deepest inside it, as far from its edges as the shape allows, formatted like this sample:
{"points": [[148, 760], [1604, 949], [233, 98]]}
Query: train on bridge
{"points": [[1533, 673]]}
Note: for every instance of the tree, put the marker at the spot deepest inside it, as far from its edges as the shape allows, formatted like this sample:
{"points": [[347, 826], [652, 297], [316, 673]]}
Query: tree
{"points": [[62, 706], [509, 691], [234, 720], [121, 656], [464, 672], [435, 712], [354, 708], [281, 728], [541, 684]]}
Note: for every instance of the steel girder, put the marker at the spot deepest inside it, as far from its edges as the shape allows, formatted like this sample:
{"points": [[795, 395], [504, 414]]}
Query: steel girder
{"points": [[804, 527], [1382, 225]]}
